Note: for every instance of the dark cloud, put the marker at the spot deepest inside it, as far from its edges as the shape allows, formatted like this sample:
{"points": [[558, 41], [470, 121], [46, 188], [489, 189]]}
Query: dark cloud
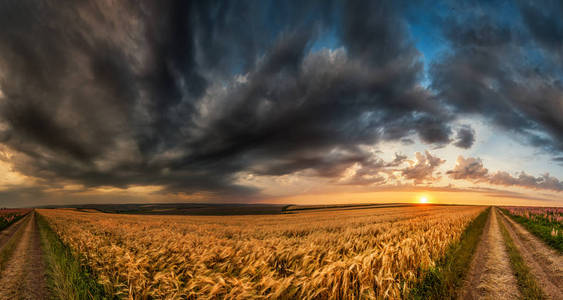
{"points": [[472, 169], [465, 137], [23, 196], [545, 24], [504, 70], [187, 94], [433, 131], [558, 160]]}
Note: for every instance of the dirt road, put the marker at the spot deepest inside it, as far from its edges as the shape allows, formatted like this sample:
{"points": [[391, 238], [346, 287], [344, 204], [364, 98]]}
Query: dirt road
{"points": [[546, 264], [490, 275], [7, 233], [24, 274]]}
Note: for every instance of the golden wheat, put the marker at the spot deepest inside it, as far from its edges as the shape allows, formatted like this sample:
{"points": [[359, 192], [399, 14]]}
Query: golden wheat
{"points": [[348, 254]]}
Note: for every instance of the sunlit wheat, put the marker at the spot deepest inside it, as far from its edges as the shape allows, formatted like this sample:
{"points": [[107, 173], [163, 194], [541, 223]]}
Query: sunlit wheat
{"points": [[369, 253]]}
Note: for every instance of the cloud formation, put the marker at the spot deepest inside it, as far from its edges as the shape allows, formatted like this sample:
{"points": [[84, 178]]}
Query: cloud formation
{"points": [[472, 169], [468, 168], [528, 181], [465, 137], [504, 71], [188, 94], [422, 169], [183, 95]]}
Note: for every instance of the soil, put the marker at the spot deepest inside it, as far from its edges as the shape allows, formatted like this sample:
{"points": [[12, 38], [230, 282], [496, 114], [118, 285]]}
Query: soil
{"points": [[490, 275], [545, 263], [7, 233], [24, 274]]}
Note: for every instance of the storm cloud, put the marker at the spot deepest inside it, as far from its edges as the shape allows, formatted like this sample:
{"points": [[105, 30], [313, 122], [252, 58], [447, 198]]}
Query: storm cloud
{"points": [[465, 137], [184, 95], [188, 94], [503, 71]]}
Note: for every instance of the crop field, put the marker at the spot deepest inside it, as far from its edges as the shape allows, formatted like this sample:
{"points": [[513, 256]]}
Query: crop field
{"points": [[9, 216], [544, 222], [348, 254]]}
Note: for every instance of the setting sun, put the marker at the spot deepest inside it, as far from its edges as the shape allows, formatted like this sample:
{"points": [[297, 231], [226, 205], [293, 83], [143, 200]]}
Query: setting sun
{"points": [[423, 199]]}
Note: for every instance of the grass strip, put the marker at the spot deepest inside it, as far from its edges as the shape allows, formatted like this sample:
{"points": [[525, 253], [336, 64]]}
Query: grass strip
{"points": [[67, 279], [541, 227], [527, 284], [446, 278], [8, 249]]}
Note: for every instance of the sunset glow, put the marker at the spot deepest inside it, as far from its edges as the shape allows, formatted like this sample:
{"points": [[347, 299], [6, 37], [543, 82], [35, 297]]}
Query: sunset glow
{"points": [[286, 103], [243, 149]]}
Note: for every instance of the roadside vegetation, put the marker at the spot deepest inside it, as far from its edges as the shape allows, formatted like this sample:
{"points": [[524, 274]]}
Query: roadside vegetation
{"points": [[10, 216], [67, 279], [545, 223], [445, 279], [7, 250], [527, 284]]}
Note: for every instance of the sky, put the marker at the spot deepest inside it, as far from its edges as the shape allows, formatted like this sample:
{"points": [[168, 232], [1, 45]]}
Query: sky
{"points": [[300, 102]]}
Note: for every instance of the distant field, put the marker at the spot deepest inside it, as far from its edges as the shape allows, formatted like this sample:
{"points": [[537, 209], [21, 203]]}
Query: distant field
{"points": [[206, 209], [195, 209], [344, 253]]}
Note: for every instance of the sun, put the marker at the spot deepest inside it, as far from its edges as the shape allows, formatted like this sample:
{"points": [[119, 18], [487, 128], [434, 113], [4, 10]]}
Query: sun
{"points": [[423, 199]]}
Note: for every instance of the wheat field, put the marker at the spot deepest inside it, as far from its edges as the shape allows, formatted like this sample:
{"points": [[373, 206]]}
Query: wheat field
{"points": [[344, 254]]}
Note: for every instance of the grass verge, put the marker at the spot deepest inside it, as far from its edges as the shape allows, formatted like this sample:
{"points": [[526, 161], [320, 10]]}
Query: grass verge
{"points": [[526, 282], [542, 228], [446, 278], [8, 249], [67, 279]]}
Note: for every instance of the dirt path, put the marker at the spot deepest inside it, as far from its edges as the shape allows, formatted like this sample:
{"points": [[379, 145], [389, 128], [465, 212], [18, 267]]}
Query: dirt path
{"points": [[24, 275], [546, 264], [490, 275], [7, 233]]}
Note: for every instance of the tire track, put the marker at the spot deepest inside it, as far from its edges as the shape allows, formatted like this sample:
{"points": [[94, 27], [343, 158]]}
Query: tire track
{"points": [[24, 275], [490, 275], [545, 263]]}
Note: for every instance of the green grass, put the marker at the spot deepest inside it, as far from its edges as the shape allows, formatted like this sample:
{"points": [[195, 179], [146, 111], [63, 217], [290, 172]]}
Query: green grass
{"points": [[8, 249], [541, 227], [67, 279], [526, 282], [446, 278]]}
